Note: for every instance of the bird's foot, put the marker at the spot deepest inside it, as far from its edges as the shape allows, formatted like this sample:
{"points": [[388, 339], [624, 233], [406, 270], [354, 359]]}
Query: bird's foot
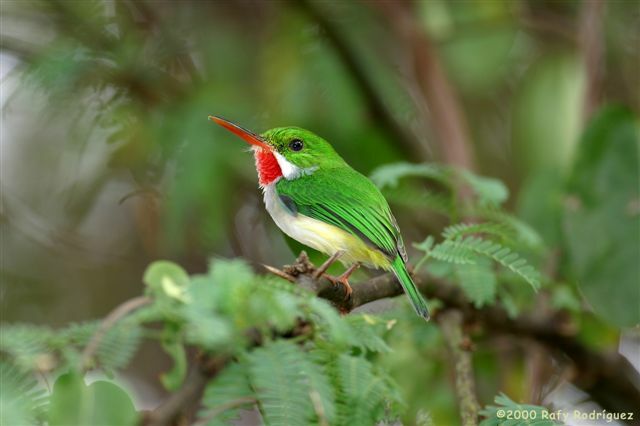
{"points": [[343, 279], [327, 263], [340, 281]]}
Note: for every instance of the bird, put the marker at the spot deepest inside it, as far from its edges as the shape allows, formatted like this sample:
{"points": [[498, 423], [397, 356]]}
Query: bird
{"points": [[316, 198]]}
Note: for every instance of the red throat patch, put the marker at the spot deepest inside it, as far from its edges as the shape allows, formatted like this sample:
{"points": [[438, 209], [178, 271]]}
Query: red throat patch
{"points": [[267, 166]]}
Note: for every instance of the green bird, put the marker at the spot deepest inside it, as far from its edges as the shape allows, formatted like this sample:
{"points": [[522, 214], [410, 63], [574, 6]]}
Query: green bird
{"points": [[316, 198]]}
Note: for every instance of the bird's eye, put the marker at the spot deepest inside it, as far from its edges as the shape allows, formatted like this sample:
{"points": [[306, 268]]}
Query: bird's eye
{"points": [[296, 145]]}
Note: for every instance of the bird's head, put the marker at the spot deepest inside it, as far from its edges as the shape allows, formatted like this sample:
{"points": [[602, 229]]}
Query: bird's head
{"points": [[289, 152]]}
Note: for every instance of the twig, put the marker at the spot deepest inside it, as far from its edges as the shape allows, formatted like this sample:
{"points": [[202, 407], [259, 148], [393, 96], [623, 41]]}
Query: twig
{"points": [[451, 326], [109, 321], [277, 272]]}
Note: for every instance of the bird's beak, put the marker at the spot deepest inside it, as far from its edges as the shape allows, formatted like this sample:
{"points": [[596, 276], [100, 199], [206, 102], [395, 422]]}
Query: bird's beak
{"points": [[245, 134]]}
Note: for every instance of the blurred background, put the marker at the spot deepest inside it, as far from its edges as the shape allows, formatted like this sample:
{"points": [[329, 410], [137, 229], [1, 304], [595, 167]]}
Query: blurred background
{"points": [[108, 161]]}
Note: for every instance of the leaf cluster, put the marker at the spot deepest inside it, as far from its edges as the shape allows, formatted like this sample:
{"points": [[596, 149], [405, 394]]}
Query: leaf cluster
{"points": [[323, 374]]}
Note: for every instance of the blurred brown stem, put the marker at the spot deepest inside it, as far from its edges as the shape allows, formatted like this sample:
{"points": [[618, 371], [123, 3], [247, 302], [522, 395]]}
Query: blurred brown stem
{"points": [[378, 110], [459, 347], [437, 93], [592, 49]]}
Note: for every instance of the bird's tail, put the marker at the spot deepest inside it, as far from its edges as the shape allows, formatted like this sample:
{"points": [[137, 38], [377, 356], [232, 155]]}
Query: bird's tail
{"points": [[417, 301]]}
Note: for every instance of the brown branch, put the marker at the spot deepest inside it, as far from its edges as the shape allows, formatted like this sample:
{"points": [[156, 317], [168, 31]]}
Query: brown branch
{"points": [[107, 323], [459, 347], [608, 378], [592, 49], [435, 90]]}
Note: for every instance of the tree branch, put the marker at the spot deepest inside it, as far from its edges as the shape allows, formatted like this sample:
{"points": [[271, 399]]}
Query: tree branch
{"points": [[608, 378]]}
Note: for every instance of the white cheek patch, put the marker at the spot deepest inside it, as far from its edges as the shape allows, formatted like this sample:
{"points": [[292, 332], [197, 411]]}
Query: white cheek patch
{"points": [[291, 171]]}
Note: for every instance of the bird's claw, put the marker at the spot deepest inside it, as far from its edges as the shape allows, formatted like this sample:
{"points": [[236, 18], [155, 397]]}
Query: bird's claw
{"points": [[341, 280]]}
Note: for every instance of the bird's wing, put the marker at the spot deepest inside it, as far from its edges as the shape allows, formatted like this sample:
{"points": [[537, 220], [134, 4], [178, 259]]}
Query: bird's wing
{"points": [[345, 198]]}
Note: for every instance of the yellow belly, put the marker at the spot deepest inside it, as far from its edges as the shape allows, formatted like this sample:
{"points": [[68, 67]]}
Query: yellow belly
{"points": [[330, 239], [322, 236]]}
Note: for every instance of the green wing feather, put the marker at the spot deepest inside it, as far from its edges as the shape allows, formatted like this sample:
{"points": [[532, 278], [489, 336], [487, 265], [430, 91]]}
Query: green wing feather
{"points": [[347, 199]]}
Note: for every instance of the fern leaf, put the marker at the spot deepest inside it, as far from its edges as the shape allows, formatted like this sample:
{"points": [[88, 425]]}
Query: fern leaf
{"points": [[536, 417], [320, 392], [463, 251], [478, 282], [366, 331], [119, 345], [225, 396], [275, 372], [363, 392], [23, 402], [329, 323], [524, 233], [25, 343], [464, 229], [505, 257], [453, 252]]}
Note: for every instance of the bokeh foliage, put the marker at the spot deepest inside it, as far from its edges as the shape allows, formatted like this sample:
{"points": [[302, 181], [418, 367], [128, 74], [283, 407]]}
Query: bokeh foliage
{"points": [[109, 163]]}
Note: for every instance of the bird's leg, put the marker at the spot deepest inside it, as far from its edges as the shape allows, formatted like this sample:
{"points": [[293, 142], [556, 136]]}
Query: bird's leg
{"points": [[344, 279], [327, 263]]}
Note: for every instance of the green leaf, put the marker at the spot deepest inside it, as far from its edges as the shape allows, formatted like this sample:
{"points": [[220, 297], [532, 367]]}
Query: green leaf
{"points": [[602, 217], [22, 400], [478, 282], [25, 343], [562, 297], [490, 191], [425, 245], [119, 345], [464, 229], [168, 279], [453, 252], [510, 413], [462, 250], [174, 378], [362, 392], [276, 373], [390, 174], [367, 332], [225, 395], [101, 403]]}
